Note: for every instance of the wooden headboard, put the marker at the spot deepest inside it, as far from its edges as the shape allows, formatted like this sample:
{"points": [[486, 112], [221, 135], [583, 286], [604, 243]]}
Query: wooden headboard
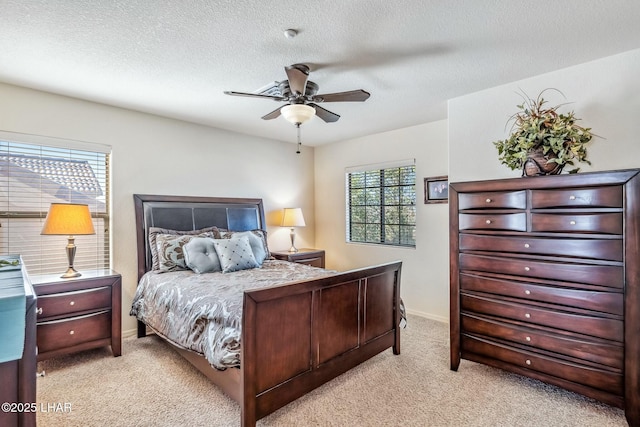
{"points": [[186, 213]]}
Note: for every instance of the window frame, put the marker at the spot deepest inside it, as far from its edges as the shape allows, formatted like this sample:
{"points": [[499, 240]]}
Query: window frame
{"points": [[46, 254], [378, 229]]}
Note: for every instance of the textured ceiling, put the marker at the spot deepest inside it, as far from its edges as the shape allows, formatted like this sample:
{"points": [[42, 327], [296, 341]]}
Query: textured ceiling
{"points": [[175, 58]]}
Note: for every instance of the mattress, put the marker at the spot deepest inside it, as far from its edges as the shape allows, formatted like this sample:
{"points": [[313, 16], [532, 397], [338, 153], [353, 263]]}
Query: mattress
{"points": [[203, 312]]}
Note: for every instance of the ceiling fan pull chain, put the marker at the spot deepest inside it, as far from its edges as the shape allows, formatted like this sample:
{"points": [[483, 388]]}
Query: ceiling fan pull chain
{"points": [[299, 143]]}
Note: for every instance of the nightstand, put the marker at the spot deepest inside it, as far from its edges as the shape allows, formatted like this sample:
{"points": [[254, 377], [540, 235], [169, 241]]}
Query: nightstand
{"points": [[313, 257], [78, 314]]}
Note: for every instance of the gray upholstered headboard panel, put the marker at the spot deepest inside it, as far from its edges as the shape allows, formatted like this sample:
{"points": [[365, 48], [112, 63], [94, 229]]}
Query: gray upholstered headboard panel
{"points": [[191, 213]]}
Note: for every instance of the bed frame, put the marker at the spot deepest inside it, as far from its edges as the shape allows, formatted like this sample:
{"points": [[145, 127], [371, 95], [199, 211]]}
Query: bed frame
{"points": [[297, 336]]}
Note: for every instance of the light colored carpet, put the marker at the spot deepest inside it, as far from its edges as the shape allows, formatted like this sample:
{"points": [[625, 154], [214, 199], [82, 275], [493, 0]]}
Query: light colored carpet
{"points": [[151, 385]]}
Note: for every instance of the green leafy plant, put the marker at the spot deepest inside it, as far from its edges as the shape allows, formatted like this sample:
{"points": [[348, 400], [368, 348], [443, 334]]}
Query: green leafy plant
{"points": [[542, 129]]}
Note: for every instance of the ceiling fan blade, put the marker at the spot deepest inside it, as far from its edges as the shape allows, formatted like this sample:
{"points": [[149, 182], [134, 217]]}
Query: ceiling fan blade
{"points": [[272, 115], [297, 75], [350, 96], [324, 114], [253, 95]]}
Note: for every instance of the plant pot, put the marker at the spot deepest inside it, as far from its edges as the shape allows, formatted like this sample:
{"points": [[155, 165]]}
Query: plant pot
{"points": [[536, 165]]}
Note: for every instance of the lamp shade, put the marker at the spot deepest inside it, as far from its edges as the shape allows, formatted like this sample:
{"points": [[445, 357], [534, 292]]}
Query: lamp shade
{"points": [[297, 113], [292, 217], [68, 219]]}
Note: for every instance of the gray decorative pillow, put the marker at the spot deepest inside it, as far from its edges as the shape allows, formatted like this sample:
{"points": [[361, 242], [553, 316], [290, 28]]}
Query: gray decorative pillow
{"points": [[257, 240], [200, 255], [155, 231], [235, 254]]}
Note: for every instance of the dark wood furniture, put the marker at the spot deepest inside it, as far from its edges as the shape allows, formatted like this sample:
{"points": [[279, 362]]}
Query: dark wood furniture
{"points": [[295, 337], [545, 281], [79, 313], [18, 377], [313, 257]]}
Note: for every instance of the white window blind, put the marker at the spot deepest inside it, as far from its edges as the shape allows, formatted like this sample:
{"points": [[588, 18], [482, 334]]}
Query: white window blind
{"points": [[381, 203], [34, 175]]}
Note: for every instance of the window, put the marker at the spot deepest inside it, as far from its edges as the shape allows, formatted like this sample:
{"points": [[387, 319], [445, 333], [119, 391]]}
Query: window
{"points": [[381, 204], [35, 172]]}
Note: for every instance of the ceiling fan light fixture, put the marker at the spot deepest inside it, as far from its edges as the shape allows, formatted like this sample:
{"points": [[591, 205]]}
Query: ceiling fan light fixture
{"points": [[297, 113]]}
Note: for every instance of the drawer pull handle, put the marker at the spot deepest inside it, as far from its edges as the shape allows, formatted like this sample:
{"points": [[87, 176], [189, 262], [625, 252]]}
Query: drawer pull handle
{"points": [[527, 292], [488, 200], [527, 269], [39, 310], [528, 362], [572, 222], [527, 315], [572, 197], [526, 245], [71, 332], [488, 221], [528, 338], [72, 303]]}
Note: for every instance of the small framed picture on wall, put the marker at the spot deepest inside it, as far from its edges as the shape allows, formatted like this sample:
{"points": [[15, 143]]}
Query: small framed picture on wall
{"points": [[436, 189]]}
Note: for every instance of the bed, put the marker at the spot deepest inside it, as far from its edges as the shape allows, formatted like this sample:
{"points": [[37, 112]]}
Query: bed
{"points": [[295, 336]]}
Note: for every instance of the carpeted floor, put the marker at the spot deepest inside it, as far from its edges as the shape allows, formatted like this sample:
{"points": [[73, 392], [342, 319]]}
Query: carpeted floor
{"points": [[151, 385]]}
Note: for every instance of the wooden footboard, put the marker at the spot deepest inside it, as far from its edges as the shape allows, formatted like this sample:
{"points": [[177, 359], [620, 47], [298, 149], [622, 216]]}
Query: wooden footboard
{"points": [[297, 337]]}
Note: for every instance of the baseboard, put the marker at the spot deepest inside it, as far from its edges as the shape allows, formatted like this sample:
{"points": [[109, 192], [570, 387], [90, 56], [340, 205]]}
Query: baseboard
{"points": [[129, 333], [440, 319]]}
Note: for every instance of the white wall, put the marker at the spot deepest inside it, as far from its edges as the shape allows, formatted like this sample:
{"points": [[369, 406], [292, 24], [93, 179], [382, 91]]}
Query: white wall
{"points": [[604, 93], [154, 155], [425, 269]]}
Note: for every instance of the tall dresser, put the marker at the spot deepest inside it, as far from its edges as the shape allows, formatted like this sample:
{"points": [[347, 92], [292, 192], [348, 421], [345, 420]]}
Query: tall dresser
{"points": [[545, 281]]}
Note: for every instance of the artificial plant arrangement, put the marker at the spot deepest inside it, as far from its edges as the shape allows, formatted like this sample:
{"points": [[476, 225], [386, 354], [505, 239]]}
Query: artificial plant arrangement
{"points": [[543, 140]]}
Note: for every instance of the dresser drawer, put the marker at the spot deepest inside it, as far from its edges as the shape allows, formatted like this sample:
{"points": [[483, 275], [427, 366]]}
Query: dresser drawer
{"points": [[74, 302], [493, 200], [595, 350], [608, 223], [602, 379], [611, 276], [57, 334], [601, 327], [599, 197], [609, 249], [512, 222], [606, 302]]}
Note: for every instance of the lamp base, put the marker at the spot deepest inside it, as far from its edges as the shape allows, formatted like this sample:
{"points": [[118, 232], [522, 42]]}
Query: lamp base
{"points": [[293, 248], [71, 272], [71, 254]]}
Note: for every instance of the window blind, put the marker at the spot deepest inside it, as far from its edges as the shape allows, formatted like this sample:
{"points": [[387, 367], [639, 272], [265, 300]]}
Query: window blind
{"points": [[381, 203], [34, 175]]}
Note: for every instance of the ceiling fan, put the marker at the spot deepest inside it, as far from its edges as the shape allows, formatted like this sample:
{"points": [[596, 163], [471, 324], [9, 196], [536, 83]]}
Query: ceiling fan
{"points": [[302, 98]]}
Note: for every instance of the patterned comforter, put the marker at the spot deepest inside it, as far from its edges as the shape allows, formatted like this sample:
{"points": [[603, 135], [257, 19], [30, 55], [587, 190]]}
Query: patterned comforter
{"points": [[203, 312]]}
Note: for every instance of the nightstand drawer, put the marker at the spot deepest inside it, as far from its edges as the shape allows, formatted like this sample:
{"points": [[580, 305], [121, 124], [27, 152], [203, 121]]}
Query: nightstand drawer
{"points": [[63, 333], [74, 302], [312, 257], [314, 262]]}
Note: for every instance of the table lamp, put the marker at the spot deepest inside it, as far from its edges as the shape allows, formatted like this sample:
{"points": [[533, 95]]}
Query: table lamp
{"points": [[68, 219], [292, 217]]}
